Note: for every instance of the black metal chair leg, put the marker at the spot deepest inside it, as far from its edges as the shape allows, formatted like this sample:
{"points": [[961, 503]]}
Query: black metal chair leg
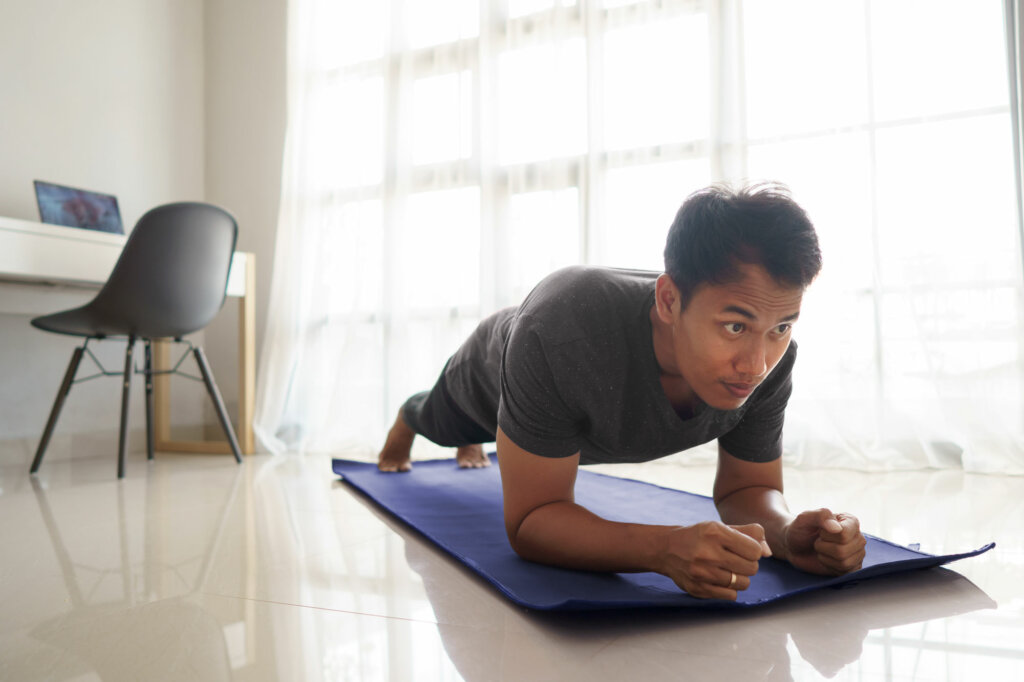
{"points": [[149, 399], [123, 440], [218, 404], [58, 403]]}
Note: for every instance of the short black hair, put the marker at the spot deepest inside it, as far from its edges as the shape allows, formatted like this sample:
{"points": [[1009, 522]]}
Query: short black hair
{"points": [[719, 228]]}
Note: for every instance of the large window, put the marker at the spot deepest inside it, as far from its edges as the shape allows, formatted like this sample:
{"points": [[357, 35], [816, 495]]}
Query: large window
{"points": [[451, 153]]}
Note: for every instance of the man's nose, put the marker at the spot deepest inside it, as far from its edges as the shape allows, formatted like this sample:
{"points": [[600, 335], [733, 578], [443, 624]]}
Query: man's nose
{"points": [[751, 361]]}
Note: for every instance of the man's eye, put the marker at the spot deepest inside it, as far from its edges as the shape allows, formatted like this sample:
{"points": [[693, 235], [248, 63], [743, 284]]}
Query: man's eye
{"points": [[734, 328], [783, 328]]}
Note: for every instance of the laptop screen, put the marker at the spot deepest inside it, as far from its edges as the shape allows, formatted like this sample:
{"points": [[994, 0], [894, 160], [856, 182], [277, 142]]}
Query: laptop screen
{"points": [[59, 205]]}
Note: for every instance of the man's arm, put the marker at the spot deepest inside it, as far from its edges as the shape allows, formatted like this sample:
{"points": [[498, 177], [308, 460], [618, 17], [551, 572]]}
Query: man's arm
{"points": [[544, 524], [815, 541]]}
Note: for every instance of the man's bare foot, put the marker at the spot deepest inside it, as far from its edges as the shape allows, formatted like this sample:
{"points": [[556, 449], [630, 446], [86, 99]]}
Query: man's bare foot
{"points": [[395, 454], [471, 457]]}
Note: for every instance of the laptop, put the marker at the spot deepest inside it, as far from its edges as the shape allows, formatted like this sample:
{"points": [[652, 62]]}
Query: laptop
{"points": [[71, 207]]}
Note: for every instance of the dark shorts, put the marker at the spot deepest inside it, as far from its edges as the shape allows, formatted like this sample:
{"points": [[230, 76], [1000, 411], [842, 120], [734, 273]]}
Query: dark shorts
{"points": [[434, 415]]}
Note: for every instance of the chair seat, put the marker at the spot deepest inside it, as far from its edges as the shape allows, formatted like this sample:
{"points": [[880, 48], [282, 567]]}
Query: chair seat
{"points": [[90, 321], [82, 321]]}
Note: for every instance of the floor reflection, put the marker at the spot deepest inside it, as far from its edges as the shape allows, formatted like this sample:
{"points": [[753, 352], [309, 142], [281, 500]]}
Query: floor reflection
{"points": [[134, 606], [277, 571]]}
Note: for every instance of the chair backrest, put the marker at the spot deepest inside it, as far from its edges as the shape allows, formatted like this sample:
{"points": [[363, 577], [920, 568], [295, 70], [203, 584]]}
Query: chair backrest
{"points": [[172, 275]]}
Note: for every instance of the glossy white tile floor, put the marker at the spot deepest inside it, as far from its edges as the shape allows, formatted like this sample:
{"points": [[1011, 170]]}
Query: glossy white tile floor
{"points": [[193, 568]]}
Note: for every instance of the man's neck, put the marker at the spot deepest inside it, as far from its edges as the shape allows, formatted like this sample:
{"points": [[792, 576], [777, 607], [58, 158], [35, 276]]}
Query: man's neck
{"points": [[675, 387]]}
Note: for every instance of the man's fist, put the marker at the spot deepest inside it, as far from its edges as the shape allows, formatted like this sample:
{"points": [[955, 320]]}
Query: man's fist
{"points": [[825, 543]]}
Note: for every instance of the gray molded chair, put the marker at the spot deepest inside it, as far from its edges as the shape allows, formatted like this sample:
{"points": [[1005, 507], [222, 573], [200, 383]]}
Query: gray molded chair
{"points": [[169, 281]]}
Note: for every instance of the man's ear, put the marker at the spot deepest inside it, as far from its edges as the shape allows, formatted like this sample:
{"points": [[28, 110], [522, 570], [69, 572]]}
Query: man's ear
{"points": [[666, 298]]}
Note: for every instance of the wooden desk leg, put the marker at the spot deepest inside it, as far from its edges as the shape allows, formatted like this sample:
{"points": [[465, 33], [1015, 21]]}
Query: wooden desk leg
{"points": [[246, 381], [247, 357], [161, 393], [162, 410]]}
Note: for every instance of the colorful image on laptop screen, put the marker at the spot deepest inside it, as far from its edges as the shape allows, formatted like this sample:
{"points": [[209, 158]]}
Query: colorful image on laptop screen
{"points": [[59, 205]]}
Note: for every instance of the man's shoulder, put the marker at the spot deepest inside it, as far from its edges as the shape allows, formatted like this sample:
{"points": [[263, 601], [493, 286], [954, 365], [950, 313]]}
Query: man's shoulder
{"points": [[584, 317], [586, 276], [582, 291]]}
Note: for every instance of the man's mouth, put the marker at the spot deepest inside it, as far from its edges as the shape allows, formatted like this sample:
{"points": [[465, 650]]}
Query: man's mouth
{"points": [[738, 389]]}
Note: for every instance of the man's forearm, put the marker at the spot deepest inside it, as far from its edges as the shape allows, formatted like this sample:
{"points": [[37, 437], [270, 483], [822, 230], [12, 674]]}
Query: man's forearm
{"points": [[762, 505], [567, 535]]}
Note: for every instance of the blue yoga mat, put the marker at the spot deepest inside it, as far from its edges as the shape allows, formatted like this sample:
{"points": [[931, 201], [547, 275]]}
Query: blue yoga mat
{"points": [[460, 511]]}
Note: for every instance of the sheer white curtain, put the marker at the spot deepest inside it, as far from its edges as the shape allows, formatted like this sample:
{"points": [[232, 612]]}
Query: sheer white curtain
{"points": [[443, 156]]}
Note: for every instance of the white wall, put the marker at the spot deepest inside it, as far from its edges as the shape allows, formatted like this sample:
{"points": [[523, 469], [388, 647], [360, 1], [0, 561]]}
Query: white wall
{"points": [[101, 94], [112, 95], [245, 43]]}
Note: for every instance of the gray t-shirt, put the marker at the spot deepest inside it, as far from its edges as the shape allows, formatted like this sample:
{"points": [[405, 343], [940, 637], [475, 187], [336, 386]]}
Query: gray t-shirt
{"points": [[573, 369]]}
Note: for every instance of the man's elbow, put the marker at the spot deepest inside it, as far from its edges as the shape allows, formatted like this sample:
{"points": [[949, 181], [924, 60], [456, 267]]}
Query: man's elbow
{"points": [[513, 529], [721, 496], [517, 546], [522, 535]]}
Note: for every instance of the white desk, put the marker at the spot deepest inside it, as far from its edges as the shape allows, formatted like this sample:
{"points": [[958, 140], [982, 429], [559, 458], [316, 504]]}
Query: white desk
{"points": [[36, 253]]}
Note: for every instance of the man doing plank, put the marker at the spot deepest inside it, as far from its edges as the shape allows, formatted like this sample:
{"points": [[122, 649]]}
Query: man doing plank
{"points": [[604, 365]]}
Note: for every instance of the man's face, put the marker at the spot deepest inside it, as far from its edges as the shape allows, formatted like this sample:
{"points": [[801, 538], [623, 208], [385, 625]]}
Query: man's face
{"points": [[730, 336]]}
